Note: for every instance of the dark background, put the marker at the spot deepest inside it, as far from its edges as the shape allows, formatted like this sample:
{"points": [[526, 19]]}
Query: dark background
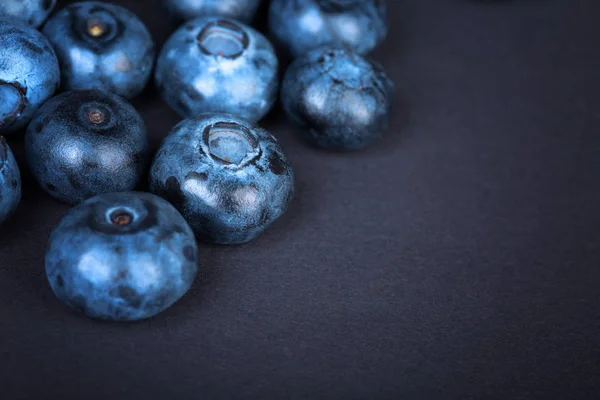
{"points": [[456, 258]]}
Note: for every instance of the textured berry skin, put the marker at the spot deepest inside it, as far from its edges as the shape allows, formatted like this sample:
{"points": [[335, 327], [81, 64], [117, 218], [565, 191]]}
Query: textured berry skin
{"points": [[84, 143], [29, 74], [101, 46], [121, 257], [242, 10], [33, 12], [220, 66], [341, 99], [228, 177], [303, 25], [10, 182]]}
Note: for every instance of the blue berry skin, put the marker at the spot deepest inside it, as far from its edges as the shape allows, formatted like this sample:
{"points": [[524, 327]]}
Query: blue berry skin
{"points": [[83, 143], [29, 74], [10, 182], [215, 65], [121, 257], [303, 25], [101, 46], [242, 10], [341, 99], [228, 177], [33, 12]]}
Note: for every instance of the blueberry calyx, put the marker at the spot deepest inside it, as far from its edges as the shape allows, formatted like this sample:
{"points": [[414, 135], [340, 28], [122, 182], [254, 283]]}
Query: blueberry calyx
{"points": [[121, 217], [96, 115], [223, 38], [12, 102], [229, 143], [96, 28]]}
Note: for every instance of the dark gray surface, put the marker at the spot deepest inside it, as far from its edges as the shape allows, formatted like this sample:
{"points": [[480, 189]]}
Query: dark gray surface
{"points": [[457, 258]]}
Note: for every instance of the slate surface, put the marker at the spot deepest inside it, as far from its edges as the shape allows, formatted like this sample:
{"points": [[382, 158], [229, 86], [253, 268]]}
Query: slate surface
{"points": [[457, 258]]}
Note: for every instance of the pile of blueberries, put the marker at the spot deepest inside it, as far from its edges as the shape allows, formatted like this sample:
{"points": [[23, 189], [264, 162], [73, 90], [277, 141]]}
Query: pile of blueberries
{"points": [[218, 177]]}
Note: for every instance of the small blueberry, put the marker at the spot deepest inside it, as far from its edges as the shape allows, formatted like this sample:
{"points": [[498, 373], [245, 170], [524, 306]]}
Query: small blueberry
{"points": [[228, 177], [302, 25], [33, 12], [242, 10], [341, 99], [29, 74], [10, 181], [101, 46], [83, 143], [121, 257], [220, 66]]}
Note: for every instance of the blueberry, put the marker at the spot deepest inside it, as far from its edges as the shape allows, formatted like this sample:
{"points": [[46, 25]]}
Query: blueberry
{"points": [[228, 177], [302, 25], [84, 143], [29, 74], [10, 181], [341, 99], [242, 10], [101, 46], [122, 257], [220, 66], [33, 12]]}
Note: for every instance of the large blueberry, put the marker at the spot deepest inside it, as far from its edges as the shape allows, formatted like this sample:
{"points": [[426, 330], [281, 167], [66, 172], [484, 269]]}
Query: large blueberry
{"points": [[121, 256], [242, 10], [29, 74], [84, 143], [10, 181], [341, 99], [101, 46], [228, 177], [34, 12], [302, 25], [218, 65]]}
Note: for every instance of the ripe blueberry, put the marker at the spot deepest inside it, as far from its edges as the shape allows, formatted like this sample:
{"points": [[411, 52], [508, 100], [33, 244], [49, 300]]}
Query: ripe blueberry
{"points": [[29, 74], [122, 257], [228, 177], [220, 66], [302, 25], [341, 99], [101, 46], [84, 143]]}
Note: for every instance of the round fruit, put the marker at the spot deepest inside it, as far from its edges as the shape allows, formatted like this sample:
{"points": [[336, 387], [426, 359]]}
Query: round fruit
{"points": [[302, 25], [29, 74], [341, 99], [219, 66], [122, 257], [84, 143], [228, 177], [101, 46]]}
